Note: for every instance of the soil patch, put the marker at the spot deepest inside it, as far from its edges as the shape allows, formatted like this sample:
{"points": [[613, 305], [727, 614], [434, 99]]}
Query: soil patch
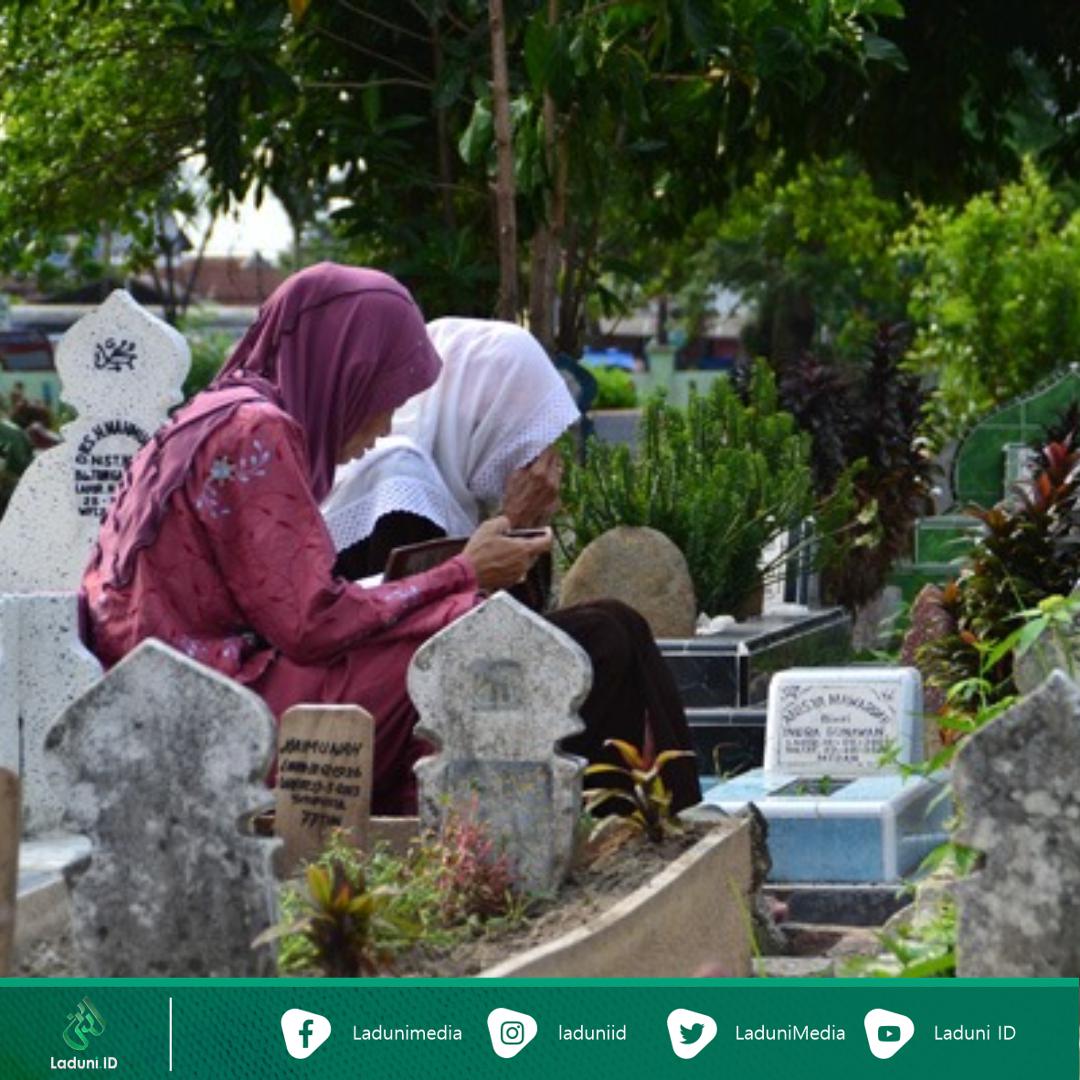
{"points": [[586, 893]]}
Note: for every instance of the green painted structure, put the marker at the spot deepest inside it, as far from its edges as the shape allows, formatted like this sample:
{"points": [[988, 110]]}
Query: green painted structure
{"points": [[987, 463]]}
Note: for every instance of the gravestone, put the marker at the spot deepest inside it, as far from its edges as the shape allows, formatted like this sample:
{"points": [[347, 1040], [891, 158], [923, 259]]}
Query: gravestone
{"points": [[43, 668], [837, 810], [496, 691], [324, 778], [642, 568], [9, 863], [839, 721], [162, 759], [1017, 782], [121, 369]]}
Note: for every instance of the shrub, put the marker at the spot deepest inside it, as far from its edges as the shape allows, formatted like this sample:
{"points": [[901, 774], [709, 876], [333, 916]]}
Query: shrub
{"points": [[615, 388], [995, 297], [720, 479]]}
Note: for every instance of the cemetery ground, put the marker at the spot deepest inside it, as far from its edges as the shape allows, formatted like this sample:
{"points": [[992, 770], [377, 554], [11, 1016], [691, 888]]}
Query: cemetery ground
{"points": [[133, 803]]}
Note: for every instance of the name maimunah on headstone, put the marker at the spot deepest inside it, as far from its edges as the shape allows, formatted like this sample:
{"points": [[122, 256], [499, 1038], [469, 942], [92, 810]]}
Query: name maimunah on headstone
{"points": [[324, 778], [121, 369], [840, 721]]}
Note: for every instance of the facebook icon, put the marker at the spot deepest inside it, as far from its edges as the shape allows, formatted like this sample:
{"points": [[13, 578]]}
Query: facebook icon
{"points": [[304, 1032]]}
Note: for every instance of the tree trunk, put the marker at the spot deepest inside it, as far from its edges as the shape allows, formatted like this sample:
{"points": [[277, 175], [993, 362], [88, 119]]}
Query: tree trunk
{"points": [[547, 241], [442, 138], [505, 213]]}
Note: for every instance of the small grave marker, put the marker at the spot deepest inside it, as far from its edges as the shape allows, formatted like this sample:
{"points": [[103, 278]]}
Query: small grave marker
{"points": [[324, 778], [839, 721], [497, 690], [9, 863], [121, 369], [162, 759]]}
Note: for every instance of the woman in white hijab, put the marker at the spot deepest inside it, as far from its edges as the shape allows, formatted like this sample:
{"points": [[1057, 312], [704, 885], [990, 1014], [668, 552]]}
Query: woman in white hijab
{"points": [[480, 440]]}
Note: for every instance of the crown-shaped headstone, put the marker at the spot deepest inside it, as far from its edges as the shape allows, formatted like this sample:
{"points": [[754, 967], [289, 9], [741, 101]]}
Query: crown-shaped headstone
{"points": [[160, 762], [497, 690], [121, 369]]}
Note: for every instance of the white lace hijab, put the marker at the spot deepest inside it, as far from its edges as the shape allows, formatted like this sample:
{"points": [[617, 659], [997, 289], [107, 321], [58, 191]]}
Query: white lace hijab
{"points": [[498, 403]]}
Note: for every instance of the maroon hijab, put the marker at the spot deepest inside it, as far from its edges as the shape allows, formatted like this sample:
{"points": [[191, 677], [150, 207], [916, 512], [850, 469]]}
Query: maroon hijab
{"points": [[332, 347]]}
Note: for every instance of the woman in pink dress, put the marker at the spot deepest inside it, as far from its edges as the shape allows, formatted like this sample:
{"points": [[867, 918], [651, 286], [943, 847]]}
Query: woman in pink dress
{"points": [[215, 544]]}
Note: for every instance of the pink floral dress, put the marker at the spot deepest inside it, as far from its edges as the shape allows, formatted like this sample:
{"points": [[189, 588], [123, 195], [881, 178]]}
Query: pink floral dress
{"points": [[239, 578]]}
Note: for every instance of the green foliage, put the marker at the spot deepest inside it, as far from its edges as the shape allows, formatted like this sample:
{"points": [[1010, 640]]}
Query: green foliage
{"points": [[995, 296], [811, 251], [1028, 553], [720, 479], [643, 797], [615, 388], [359, 912], [209, 350], [922, 950], [339, 922]]}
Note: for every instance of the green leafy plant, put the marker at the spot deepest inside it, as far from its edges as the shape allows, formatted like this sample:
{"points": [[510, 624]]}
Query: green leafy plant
{"points": [[643, 797], [720, 479], [340, 922], [995, 297], [614, 388]]}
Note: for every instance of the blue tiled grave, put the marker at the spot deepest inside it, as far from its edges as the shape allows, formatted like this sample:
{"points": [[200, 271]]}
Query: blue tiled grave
{"points": [[835, 812]]}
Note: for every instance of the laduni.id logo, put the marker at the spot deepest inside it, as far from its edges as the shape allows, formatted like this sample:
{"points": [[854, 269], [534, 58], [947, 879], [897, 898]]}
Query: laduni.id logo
{"points": [[690, 1032], [304, 1032]]}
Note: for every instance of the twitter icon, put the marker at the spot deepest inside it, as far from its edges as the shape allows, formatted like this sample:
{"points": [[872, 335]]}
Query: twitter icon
{"points": [[690, 1032]]}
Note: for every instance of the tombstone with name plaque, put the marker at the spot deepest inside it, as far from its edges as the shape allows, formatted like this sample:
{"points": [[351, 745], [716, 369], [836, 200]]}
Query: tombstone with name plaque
{"points": [[838, 806], [121, 370]]}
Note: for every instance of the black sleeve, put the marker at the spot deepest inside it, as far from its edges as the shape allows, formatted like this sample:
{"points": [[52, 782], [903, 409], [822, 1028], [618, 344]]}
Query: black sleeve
{"points": [[368, 556]]}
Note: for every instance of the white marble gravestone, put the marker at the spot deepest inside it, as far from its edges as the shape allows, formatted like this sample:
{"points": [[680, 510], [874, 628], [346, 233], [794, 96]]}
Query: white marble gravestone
{"points": [[121, 369], [162, 759], [496, 691], [43, 668], [839, 721]]}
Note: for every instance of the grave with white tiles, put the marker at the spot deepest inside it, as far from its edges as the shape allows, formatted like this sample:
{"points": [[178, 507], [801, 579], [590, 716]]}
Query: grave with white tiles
{"points": [[832, 789], [496, 691], [121, 369]]}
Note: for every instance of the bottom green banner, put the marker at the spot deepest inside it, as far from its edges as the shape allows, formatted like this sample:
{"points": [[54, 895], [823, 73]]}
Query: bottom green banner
{"points": [[539, 1028]]}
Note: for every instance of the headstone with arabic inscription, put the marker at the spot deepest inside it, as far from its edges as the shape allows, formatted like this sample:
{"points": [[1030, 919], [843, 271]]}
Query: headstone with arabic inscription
{"points": [[9, 863], [496, 691], [838, 805], [325, 755], [121, 369], [162, 760]]}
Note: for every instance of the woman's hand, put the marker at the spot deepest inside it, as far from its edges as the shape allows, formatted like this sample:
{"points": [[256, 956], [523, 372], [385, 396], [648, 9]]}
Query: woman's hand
{"points": [[531, 496], [500, 560]]}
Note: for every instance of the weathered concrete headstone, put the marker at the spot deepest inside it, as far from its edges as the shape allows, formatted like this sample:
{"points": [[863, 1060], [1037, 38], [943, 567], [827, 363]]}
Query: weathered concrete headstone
{"points": [[324, 778], [930, 621], [839, 721], [43, 669], [162, 759], [1017, 783], [121, 369], [642, 568], [496, 691], [9, 863]]}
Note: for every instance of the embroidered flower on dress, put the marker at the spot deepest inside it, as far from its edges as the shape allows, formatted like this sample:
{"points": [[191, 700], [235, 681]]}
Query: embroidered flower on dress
{"points": [[222, 471]]}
